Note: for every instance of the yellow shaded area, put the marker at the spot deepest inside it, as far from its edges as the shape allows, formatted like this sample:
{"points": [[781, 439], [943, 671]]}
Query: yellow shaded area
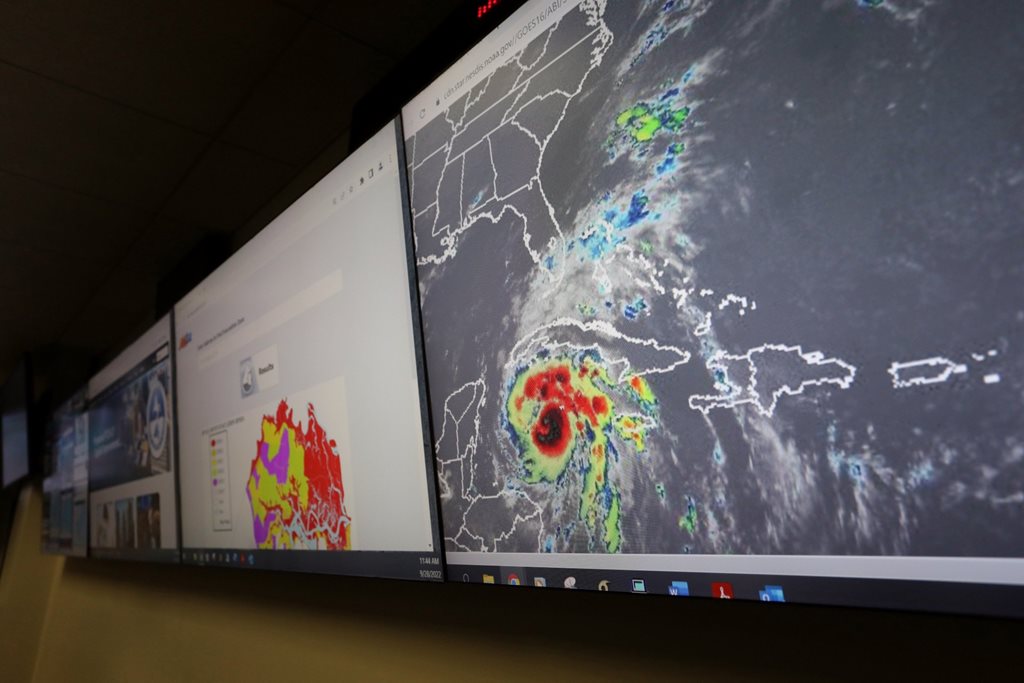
{"points": [[640, 390], [266, 493], [631, 429], [612, 525]]}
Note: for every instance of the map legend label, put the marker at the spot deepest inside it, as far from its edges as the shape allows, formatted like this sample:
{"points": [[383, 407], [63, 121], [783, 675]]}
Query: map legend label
{"points": [[219, 485]]}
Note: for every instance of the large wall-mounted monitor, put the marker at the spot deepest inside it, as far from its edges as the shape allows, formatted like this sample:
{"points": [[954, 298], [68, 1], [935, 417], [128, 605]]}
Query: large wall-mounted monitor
{"points": [[14, 425], [132, 446], [302, 421], [725, 299], [66, 480]]}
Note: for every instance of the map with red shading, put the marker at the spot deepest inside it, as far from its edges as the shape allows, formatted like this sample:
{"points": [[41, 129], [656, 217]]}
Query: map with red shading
{"points": [[295, 488]]}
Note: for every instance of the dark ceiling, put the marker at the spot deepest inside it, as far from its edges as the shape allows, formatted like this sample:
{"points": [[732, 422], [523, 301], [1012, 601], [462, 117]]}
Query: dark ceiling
{"points": [[132, 131]]}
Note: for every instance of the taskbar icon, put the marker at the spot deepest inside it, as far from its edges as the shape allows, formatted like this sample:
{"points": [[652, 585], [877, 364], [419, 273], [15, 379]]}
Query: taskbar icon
{"points": [[679, 588]]}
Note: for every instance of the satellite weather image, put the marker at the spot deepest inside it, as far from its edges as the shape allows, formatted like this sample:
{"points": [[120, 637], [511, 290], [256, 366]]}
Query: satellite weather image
{"points": [[721, 277]]}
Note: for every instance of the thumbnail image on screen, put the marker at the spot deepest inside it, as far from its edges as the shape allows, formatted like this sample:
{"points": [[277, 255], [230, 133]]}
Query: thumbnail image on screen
{"points": [[14, 428], [66, 481], [132, 453], [300, 413], [728, 295]]}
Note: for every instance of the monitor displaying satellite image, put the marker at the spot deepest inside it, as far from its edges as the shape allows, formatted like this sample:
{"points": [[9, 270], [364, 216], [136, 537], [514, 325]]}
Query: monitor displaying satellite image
{"points": [[730, 288]]}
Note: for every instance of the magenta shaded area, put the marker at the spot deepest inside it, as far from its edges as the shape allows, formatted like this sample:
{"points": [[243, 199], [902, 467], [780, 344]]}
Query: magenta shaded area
{"points": [[278, 465], [260, 530]]}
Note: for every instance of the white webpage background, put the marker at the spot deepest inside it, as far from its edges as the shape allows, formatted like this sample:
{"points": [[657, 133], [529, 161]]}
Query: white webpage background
{"points": [[361, 333]]}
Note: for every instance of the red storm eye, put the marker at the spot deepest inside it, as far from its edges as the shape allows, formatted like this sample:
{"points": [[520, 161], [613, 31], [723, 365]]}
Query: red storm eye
{"points": [[551, 433]]}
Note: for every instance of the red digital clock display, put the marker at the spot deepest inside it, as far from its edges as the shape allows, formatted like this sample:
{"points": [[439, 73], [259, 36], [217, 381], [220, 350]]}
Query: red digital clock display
{"points": [[486, 7]]}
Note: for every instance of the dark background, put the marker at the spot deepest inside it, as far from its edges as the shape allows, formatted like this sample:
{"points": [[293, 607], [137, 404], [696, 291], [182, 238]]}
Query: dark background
{"points": [[142, 142]]}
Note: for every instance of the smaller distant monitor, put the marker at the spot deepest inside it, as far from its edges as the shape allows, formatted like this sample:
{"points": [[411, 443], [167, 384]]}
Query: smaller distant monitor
{"points": [[14, 427], [132, 453], [66, 481], [8, 502]]}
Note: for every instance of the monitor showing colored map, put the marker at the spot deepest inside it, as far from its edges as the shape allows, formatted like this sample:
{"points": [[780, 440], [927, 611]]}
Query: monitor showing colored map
{"points": [[132, 453], [66, 479], [725, 299], [301, 414]]}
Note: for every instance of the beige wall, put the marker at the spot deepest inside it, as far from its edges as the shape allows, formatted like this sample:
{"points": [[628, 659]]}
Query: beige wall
{"points": [[108, 621], [26, 583]]}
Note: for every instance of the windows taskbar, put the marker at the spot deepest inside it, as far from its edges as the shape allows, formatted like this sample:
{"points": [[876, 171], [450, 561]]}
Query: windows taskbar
{"points": [[930, 596], [410, 565], [167, 555]]}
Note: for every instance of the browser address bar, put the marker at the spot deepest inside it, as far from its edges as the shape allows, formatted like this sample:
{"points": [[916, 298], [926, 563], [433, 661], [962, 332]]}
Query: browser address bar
{"points": [[312, 296]]}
